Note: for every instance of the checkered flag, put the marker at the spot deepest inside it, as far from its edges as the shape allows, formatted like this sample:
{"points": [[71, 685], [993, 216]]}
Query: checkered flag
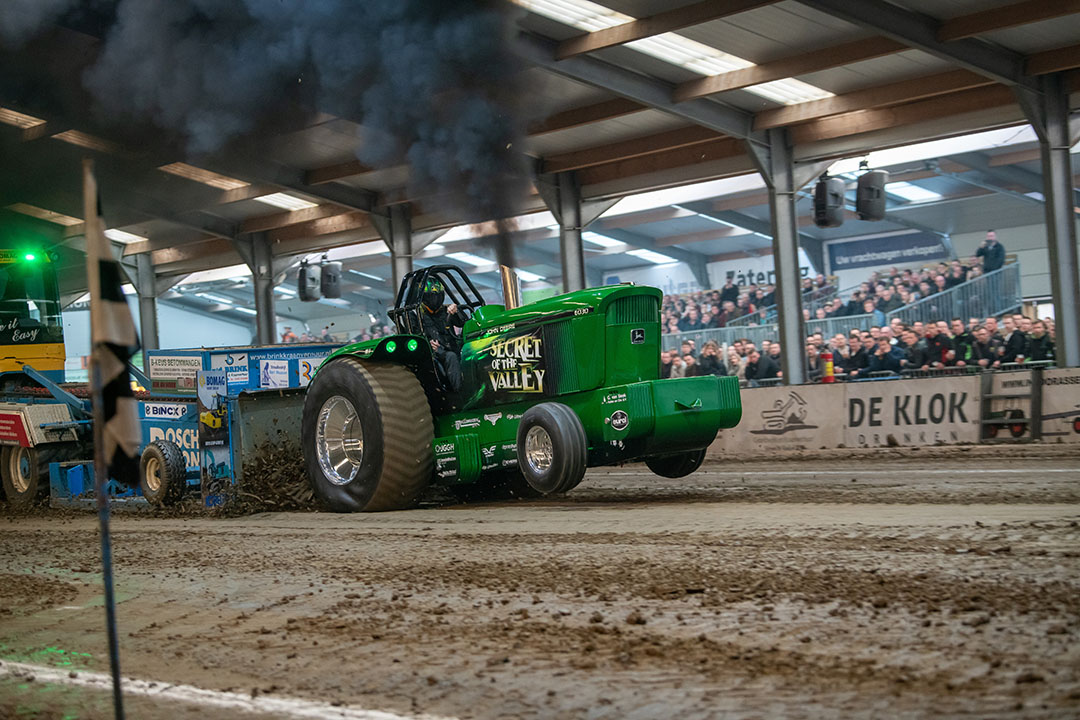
{"points": [[114, 341]]}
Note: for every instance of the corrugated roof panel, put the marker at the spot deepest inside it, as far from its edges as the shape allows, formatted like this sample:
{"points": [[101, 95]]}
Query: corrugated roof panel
{"points": [[1046, 35], [878, 71], [945, 9], [772, 31]]}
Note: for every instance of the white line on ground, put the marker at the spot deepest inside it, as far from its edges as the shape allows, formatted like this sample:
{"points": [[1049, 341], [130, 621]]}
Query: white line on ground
{"points": [[908, 472], [262, 704]]}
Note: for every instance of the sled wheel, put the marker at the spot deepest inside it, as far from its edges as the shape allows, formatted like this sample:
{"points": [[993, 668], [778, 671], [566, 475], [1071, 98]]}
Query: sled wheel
{"points": [[552, 448], [162, 473], [676, 466], [1017, 429], [366, 436], [990, 431]]}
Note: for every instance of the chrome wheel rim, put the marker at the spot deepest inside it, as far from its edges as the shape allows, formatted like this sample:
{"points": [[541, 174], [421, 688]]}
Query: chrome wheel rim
{"points": [[538, 450], [339, 440], [153, 474], [19, 469]]}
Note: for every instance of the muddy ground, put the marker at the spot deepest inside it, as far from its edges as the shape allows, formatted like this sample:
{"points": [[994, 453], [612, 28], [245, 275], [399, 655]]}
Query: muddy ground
{"points": [[886, 584]]}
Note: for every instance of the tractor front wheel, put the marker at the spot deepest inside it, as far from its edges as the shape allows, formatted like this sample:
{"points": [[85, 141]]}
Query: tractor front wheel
{"points": [[676, 466], [162, 473], [366, 436], [552, 448]]}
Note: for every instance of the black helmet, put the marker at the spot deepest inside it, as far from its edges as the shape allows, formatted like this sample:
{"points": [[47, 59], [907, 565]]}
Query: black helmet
{"points": [[434, 294]]}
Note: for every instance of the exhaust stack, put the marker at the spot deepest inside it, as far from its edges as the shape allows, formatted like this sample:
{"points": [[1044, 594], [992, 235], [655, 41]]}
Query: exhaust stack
{"points": [[511, 287]]}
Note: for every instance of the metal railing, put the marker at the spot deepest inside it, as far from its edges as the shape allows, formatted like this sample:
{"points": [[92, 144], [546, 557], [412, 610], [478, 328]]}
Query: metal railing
{"points": [[994, 293]]}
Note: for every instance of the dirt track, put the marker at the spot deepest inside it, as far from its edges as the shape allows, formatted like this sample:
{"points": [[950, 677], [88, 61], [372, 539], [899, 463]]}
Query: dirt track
{"points": [[901, 584]]}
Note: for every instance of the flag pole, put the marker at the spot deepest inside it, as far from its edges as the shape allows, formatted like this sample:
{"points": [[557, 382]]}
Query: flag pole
{"points": [[101, 469]]}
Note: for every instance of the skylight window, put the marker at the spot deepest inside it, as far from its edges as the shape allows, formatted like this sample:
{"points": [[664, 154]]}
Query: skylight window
{"points": [[121, 236], [215, 298], [527, 276], [672, 48], [86, 140], [912, 193], [286, 201], [653, 257], [246, 311], [474, 260], [206, 177], [286, 291], [601, 240], [43, 214], [18, 119]]}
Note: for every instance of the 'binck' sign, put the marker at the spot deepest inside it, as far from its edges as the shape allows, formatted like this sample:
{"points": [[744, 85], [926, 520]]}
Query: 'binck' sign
{"points": [[926, 412]]}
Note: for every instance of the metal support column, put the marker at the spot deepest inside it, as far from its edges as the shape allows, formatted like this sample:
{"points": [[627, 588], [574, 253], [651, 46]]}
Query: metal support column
{"points": [[145, 286], [400, 241], [1050, 118], [561, 193], [778, 170], [571, 251], [262, 272]]}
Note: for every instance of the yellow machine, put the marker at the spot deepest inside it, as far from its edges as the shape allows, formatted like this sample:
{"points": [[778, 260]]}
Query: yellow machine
{"points": [[31, 330]]}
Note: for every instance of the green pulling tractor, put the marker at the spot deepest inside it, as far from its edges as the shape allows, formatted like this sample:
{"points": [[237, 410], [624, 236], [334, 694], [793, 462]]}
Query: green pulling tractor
{"points": [[533, 395]]}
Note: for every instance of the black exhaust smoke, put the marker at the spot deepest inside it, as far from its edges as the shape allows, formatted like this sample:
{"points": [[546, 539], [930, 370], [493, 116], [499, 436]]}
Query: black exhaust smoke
{"points": [[432, 83]]}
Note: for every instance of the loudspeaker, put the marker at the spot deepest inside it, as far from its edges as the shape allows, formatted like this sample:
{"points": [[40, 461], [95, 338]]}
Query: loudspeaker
{"points": [[308, 282], [829, 202], [331, 279], [870, 196]]}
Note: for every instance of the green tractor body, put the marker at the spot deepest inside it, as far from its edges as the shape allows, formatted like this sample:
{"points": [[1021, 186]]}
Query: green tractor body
{"points": [[546, 389]]}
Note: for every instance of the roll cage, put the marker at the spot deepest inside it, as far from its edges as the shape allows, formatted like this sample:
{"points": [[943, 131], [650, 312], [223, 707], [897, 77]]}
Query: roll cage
{"points": [[459, 290]]}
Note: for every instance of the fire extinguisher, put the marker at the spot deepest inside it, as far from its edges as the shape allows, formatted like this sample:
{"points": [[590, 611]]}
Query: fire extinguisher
{"points": [[826, 357]]}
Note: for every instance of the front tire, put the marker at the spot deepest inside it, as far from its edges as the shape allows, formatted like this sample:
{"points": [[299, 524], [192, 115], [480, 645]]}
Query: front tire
{"points": [[367, 434], [676, 466], [162, 473], [552, 448]]}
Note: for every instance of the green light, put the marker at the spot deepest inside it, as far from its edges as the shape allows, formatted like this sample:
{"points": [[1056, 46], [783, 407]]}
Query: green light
{"points": [[413, 345], [391, 346], [31, 256]]}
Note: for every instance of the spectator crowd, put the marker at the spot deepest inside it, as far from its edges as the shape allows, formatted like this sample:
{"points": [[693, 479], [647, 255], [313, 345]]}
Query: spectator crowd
{"points": [[881, 293], [892, 348]]}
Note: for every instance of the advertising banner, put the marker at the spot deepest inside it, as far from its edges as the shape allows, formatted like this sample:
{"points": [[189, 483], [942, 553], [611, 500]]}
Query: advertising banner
{"points": [[930, 411], [1061, 405], [214, 432], [174, 373], [1012, 401], [890, 250], [786, 419]]}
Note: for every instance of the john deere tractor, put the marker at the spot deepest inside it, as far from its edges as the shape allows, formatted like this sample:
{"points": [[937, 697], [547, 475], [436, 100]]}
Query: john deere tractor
{"points": [[532, 396]]}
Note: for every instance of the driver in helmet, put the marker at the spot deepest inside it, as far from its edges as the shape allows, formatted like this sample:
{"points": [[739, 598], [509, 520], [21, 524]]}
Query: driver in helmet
{"points": [[439, 322]]}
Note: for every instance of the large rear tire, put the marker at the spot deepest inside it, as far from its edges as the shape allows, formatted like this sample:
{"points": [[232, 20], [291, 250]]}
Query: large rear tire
{"points": [[676, 466], [552, 448], [366, 437]]}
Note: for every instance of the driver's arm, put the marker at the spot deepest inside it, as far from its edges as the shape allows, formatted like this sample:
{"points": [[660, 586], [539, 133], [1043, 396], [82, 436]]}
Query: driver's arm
{"points": [[455, 316]]}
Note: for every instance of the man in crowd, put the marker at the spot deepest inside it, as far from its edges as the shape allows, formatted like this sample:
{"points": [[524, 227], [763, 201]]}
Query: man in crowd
{"points": [[692, 368], [877, 317], [937, 346], [691, 322], [962, 341], [761, 367], [992, 253], [889, 302], [987, 350], [665, 364], [730, 292], [1014, 347], [916, 357], [1040, 346], [991, 324], [886, 358], [687, 348], [860, 361]]}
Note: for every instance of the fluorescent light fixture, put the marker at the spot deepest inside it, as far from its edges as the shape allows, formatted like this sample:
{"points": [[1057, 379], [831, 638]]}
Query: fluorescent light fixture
{"points": [[286, 201], [601, 240], [85, 140], [527, 276], [18, 119], [1036, 196], [246, 311], [121, 236], [286, 291], [474, 260], [43, 214], [912, 193], [653, 257], [672, 48], [215, 298], [213, 179], [128, 289], [336, 302], [367, 275], [231, 272]]}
